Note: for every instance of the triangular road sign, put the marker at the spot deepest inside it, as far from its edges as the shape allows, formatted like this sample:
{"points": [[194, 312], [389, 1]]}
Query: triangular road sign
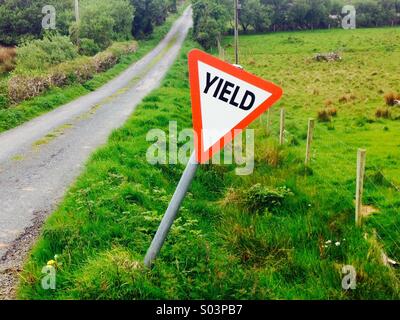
{"points": [[225, 100]]}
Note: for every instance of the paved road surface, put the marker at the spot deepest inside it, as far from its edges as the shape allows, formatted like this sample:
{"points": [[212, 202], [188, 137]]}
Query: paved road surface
{"points": [[37, 169]]}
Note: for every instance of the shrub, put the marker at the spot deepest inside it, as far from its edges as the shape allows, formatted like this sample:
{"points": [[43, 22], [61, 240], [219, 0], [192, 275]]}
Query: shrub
{"points": [[210, 21], [25, 87], [383, 113], [325, 115], [7, 59], [259, 198], [104, 61], [390, 98], [22, 87], [37, 56], [103, 21], [121, 48], [79, 70], [87, 47]]}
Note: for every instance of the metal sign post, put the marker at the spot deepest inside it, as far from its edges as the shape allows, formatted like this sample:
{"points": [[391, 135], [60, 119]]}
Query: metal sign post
{"points": [[172, 211], [77, 17], [225, 100], [236, 32]]}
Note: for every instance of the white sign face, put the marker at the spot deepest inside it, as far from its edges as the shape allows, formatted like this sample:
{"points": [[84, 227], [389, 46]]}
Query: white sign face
{"points": [[225, 102]]}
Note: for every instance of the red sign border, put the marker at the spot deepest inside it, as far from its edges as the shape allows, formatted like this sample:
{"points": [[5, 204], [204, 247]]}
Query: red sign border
{"points": [[193, 58]]}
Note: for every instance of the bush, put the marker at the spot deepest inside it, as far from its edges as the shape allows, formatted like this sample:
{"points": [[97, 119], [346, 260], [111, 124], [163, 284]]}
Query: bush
{"points": [[391, 98], [80, 70], [37, 56], [103, 21], [210, 21], [325, 115], [383, 113], [25, 87], [87, 47], [259, 198], [7, 59]]}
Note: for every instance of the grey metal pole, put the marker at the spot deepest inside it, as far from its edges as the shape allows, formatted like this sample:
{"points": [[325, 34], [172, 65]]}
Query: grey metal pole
{"points": [[172, 211], [236, 31], [77, 17]]}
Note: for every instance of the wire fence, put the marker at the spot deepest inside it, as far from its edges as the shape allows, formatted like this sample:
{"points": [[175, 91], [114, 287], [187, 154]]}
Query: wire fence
{"points": [[336, 169]]}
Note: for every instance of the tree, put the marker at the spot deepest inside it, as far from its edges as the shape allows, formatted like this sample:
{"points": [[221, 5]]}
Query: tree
{"points": [[142, 23], [297, 14], [103, 21], [20, 19], [209, 21], [254, 14], [158, 11]]}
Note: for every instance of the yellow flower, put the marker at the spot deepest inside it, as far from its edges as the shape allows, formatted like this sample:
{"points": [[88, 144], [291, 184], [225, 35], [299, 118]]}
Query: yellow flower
{"points": [[51, 263]]}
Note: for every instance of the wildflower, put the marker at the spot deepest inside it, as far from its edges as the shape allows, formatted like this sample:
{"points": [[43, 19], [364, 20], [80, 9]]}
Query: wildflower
{"points": [[328, 242], [51, 263], [337, 244]]}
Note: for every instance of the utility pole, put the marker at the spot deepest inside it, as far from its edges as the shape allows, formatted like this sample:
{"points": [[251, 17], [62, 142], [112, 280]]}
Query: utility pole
{"points": [[237, 8], [77, 17]]}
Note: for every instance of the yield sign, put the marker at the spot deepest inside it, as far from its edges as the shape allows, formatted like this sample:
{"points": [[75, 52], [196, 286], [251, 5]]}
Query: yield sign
{"points": [[225, 100]]}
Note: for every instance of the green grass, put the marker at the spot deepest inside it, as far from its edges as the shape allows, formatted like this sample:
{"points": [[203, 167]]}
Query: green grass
{"points": [[368, 71], [218, 248], [55, 97]]}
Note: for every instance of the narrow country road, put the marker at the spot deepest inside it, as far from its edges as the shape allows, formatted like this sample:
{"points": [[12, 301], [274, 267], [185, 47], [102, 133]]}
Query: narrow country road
{"points": [[40, 159]]}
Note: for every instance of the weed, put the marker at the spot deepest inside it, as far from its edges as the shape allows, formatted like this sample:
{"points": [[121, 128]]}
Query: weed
{"points": [[326, 114], [390, 98], [384, 113], [258, 198]]}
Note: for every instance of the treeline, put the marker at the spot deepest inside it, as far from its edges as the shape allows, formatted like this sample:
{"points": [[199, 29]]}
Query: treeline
{"points": [[102, 21], [214, 18]]}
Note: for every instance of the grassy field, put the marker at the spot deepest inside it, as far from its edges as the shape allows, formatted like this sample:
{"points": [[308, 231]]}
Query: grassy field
{"points": [[55, 97], [230, 241]]}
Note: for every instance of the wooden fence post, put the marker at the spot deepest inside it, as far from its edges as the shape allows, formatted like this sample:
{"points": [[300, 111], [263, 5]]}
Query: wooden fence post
{"points": [[282, 128], [310, 133], [268, 119], [361, 159]]}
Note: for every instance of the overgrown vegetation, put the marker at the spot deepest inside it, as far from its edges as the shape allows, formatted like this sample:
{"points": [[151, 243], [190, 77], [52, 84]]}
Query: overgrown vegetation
{"points": [[55, 96], [55, 58], [299, 240], [36, 57], [7, 59], [28, 82]]}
